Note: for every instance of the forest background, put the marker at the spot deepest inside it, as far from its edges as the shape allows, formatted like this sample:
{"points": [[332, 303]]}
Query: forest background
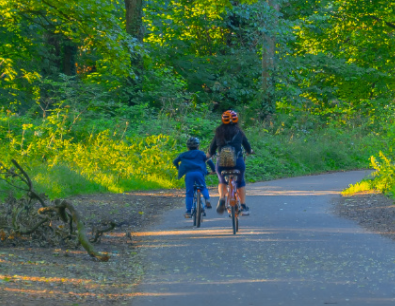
{"points": [[99, 96]]}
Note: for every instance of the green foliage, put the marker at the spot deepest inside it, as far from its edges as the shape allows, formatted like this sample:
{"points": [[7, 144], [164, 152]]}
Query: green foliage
{"points": [[348, 45], [302, 152], [97, 161], [74, 150], [45, 38], [383, 178], [216, 51], [71, 112]]}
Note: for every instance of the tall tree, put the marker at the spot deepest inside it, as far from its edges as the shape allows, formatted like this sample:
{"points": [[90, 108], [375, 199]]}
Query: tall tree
{"points": [[134, 27], [44, 38], [268, 60]]}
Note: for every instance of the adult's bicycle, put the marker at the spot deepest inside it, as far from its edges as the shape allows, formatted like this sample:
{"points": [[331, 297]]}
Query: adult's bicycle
{"points": [[232, 203]]}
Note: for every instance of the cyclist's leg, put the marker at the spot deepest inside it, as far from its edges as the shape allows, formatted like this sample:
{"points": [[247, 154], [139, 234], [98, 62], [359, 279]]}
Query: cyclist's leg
{"points": [[240, 183], [189, 181], [242, 194], [200, 179], [240, 165], [222, 190]]}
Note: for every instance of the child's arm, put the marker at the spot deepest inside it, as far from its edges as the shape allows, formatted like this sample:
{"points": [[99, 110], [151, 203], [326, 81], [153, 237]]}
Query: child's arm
{"points": [[211, 164], [177, 161]]}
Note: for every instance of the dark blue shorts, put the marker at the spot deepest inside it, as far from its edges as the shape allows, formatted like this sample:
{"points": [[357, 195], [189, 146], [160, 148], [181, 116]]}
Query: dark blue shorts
{"points": [[240, 165]]}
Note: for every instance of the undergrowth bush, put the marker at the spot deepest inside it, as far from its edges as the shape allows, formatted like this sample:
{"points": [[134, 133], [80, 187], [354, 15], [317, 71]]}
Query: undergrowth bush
{"points": [[73, 151], [382, 180], [62, 165], [304, 152]]}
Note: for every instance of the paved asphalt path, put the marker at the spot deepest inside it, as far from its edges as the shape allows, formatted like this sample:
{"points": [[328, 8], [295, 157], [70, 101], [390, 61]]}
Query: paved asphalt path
{"points": [[291, 251]]}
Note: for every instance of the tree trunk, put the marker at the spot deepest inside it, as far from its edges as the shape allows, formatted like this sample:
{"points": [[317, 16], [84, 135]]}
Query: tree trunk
{"points": [[268, 65], [134, 27], [69, 57], [54, 49]]}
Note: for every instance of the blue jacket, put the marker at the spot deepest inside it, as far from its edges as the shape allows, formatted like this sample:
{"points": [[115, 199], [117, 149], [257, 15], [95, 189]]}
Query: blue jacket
{"points": [[192, 160]]}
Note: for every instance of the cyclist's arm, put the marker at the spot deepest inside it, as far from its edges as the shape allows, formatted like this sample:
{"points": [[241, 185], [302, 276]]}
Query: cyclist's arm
{"points": [[213, 147], [211, 164], [246, 145], [176, 162]]}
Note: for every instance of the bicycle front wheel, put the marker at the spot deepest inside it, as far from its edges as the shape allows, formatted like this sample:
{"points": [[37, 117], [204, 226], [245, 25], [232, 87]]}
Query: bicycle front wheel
{"points": [[235, 220], [198, 209]]}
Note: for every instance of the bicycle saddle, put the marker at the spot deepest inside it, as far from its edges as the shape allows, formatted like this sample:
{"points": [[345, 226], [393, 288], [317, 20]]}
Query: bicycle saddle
{"points": [[197, 186], [230, 172]]}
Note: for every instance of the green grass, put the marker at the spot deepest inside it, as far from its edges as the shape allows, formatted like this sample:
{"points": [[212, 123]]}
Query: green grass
{"points": [[65, 159], [60, 182], [302, 154]]}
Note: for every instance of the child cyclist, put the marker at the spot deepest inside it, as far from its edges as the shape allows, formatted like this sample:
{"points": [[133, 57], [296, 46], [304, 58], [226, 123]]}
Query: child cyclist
{"points": [[192, 164]]}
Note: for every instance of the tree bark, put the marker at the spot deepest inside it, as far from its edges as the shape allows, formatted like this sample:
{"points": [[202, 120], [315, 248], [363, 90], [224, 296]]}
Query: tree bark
{"points": [[268, 65], [69, 57], [134, 27], [53, 40]]}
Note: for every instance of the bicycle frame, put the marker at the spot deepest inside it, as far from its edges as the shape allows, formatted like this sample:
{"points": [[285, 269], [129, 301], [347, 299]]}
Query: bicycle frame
{"points": [[197, 206], [232, 201], [232, 197]]}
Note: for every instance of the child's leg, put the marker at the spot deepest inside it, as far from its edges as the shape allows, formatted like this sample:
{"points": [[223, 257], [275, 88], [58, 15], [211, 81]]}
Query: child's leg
{"points": [[201, 181], [206, 194], [189, 181]]}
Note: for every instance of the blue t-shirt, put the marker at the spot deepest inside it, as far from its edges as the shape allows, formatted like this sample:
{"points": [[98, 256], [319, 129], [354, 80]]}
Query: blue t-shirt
{"points": [[192, 160]]}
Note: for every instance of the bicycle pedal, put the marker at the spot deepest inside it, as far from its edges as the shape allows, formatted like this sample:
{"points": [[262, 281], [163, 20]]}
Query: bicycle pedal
{"points": [[245, 213]]}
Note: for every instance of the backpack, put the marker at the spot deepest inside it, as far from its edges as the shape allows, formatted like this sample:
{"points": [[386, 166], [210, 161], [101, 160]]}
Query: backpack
{"points": [[227, 156]]}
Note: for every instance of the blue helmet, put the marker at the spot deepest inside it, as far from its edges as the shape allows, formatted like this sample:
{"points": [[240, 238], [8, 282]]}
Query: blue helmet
{"points": [[193, 142]]}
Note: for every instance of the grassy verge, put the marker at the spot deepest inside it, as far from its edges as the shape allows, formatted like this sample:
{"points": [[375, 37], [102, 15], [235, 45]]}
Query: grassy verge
{"points": [[382, 180], [67, 156]]}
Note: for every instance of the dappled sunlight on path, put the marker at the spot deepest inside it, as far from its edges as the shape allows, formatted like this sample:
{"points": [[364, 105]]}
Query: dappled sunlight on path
{"points": [[290, 251]]}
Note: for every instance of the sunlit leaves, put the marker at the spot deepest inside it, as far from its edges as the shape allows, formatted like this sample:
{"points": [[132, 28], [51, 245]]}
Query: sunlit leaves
{"points": [[360, 34], [38, 33]]}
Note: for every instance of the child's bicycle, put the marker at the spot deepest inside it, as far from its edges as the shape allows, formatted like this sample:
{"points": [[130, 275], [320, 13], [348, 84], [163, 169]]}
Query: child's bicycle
{"points": [[232, 200], [197, 208]]}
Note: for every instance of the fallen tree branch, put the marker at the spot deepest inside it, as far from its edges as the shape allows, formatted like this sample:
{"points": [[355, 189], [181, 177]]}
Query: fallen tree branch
{"points": [[33, 229], [24, 221], [99, 232], [83, 239]]}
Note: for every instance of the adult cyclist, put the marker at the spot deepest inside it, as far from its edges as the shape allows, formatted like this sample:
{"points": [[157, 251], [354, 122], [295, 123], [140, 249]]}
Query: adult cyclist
{"points": [[229, 133]]}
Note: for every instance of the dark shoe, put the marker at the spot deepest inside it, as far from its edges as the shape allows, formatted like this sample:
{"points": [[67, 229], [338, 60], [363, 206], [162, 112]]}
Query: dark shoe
{"points": [[221, 206], [245, 210], [188, 214], [208, 204]]}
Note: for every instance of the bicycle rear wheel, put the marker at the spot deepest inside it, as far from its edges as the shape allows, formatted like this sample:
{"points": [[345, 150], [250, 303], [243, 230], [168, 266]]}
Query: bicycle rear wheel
{"points": [[194, 209], [235, 221], [198, 209]]}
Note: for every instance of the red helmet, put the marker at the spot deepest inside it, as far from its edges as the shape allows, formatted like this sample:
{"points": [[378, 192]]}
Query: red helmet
{"points": [[230, 117]]}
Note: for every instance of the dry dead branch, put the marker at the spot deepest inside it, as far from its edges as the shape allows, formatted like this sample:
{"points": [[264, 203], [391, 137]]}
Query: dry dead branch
{"points": [[51, 223]]}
